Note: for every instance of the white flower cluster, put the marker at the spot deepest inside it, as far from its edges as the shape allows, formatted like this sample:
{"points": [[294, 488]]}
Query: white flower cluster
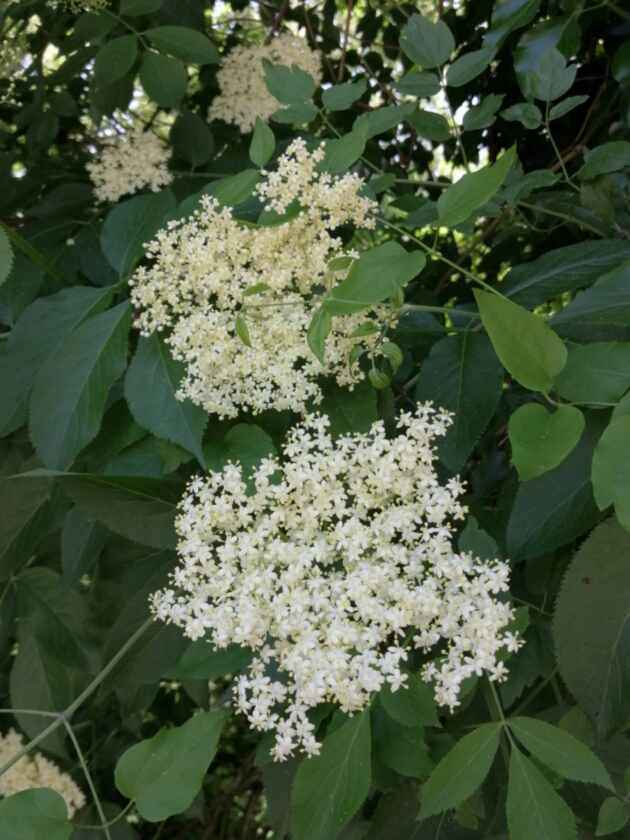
{"points": [[35, 771], [337, 562], [128, 163], [79, 5], [244, 94], [204, 272], [13, 49]]}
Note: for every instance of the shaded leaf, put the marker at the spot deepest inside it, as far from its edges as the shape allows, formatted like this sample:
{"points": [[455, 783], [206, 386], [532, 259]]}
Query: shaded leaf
{"points": [[33, 814], [541, 440], [533, 807], [460, 200]]}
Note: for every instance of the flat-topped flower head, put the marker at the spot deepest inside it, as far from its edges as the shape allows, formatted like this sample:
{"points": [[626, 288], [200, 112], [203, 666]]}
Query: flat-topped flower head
{"points": [[336, 564], [210, 270], [244, 95], [128, 163], [35, 771]]}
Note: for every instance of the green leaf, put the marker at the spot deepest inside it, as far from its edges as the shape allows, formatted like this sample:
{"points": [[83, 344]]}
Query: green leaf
{"points": [[289, 85], [164, 774], [621, 63], [426, 43], [381, 120], [350, 411], [541, 440], [141, 509], [560, 751], [563, 270], [23, 506], [71, 389], [6, 256], [463, 375], [164, 79], [134, 8], [298, 114], [411, 705], [263, 144], [82, 540], [375, 276], [242, 330], [533, 807], [401, 748], [556, 508], [341, 97], [566, 106], [528, 349], [115, 59], [192, 139], [417, 83], [520, 188], [609, 157], [613, 816], [236, 188], [461, 771], [33, 814], [600, 313], [151, 384], [460, 200], [611, 471], [202, 661], [475, 541], [432, 126], [318, 332], [331, 787], [467, 67], [594, 655], [551, 78], [528, 114], [245, 444], [342, 152], [184, 43], [595, 373], [130, 225], [484, 114]]}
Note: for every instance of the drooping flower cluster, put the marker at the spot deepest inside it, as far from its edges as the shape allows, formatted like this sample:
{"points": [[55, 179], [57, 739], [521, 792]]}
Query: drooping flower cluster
{"points": [[337, 561], [209, 270], [128, 163], [244, 95], [35, 771]]}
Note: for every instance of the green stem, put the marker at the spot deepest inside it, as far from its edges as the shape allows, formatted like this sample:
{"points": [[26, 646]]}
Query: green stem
{"points": [[127, 25], [536, 208], [62, 717], [565, 172], [615, 8], [111, 822], [441, 309], [455, 126], [89, 780]]}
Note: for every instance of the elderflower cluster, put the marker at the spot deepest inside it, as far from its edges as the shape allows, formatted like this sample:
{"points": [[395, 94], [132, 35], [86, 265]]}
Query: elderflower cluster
{"points": [[330, 565], [244, 95], [13, 48], [35, 771], [129, 163], [211, 275], [79, 5]]}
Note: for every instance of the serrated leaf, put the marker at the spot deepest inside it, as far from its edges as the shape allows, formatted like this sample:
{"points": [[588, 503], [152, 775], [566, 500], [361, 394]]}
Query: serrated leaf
{"points": [[477, 542], [82, 540], [33, 814], [461, 771], [611, 470], [426, 43], [563, 270], [115, 59], [412, 704], [595, 373], [350, 411], [263, 144], [533, 807], [130, 225], [330, 788], [528, 114], [318, 332], [6, 256], [460, 200], [613, 816], [184, 43], [594, 656], [164, 773], [70, 390], [528, 349], [554, 509], [400, 748], [463, 375], [163, 78], [541, 440], [151, 384], [467, 67], [245, 444], [560, 751], [202, 661], [289, 85], [374, 277], [341, 97], [601, 313]]}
